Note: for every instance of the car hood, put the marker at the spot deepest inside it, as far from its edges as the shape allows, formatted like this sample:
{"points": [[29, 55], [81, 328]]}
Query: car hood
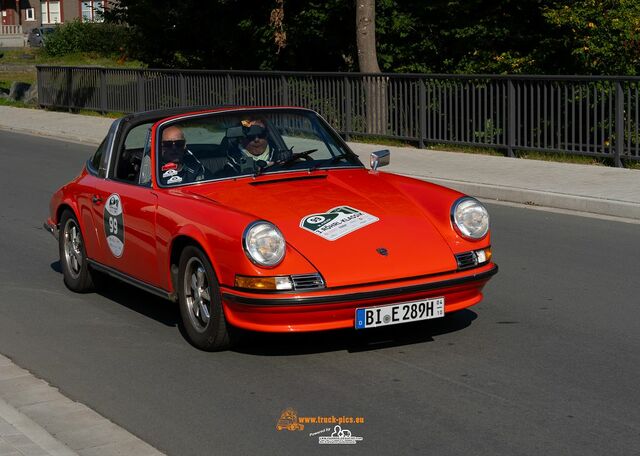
{"points": [[353, 226]]}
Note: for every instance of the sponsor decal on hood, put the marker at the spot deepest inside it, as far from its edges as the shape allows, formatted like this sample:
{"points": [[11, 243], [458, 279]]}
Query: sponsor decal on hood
{"points": [[337, 222]]}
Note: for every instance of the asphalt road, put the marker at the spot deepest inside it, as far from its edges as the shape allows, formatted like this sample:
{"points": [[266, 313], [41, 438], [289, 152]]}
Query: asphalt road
{"points": [[547, 364]]}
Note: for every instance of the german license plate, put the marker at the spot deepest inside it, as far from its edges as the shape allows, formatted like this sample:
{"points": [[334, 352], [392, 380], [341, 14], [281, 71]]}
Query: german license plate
{"points": [[370, 317]]}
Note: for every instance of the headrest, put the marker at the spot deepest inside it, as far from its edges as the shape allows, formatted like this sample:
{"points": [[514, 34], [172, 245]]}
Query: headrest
{"points": [[242, 131]]}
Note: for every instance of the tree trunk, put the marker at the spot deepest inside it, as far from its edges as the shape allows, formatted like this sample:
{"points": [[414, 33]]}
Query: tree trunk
{"points": [[375, 87], [366, 36]]}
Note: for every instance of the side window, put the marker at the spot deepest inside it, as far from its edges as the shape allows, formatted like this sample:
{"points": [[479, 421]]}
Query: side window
{"points": [[130, 157], [97, 161]]}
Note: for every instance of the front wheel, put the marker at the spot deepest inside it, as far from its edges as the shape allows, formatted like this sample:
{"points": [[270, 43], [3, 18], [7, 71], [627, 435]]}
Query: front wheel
{"points": [[73, 256], [201, 302]]}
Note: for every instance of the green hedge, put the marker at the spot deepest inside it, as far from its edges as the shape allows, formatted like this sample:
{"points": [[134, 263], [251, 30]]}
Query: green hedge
{"points": [[76, 36]]}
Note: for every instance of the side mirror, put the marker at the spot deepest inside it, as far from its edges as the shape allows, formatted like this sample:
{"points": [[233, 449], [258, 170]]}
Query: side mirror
{"points": [[380, 158]]}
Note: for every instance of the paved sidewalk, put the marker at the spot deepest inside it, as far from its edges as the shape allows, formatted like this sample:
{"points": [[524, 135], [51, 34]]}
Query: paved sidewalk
{"points": [[36, 420], [586, 188]]}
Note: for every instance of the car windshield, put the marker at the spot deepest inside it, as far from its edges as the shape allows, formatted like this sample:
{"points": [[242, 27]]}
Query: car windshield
{"points": [[247, 143]]}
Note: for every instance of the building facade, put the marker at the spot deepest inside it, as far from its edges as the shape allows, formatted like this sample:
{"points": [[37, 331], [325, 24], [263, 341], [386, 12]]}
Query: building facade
{"points": [[20, 16]]}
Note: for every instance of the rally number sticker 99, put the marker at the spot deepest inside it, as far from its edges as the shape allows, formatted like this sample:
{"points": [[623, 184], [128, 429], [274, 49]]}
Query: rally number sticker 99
{"points": [[114, 225]]}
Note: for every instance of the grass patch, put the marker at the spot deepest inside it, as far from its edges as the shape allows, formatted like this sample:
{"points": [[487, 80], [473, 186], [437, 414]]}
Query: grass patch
{"points": [[88, 58], [26, 56], [7, 77], [15, 104], [543, 156], [577, 159], [467, 149], [111, 115], [33, 56], [380, 140], [564, 158], [631, 164]]}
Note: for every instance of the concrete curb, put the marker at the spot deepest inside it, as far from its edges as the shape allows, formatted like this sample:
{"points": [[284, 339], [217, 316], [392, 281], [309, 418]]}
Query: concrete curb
{"points": [[613, 208], [58, 425], [33, 431]]}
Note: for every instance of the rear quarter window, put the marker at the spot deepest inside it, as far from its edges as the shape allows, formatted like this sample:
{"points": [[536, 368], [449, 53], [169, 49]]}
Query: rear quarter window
{"points": [[97, 161]]}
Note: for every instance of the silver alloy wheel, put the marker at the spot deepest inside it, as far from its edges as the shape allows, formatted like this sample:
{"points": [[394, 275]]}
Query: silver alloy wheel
{"points": [[72, 243], [196, 294]]}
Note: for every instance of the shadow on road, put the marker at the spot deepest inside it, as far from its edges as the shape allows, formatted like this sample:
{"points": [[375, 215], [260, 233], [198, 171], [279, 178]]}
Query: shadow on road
{"points": [[273, 344], [133, 298], [161, 310], [266, 344]]}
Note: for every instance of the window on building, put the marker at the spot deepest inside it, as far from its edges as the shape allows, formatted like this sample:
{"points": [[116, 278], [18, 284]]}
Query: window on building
{"points": [[54, 12], [50, 11], [44, 9], [30, 14], [92, 10]]}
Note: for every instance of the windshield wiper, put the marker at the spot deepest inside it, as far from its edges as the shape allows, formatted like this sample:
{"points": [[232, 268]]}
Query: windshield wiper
{"points": [[285, 162], [345, 157], [296, 156]]}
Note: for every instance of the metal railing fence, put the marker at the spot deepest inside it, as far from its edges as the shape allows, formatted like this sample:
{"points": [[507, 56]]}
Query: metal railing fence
{"points": [[582, 115]]}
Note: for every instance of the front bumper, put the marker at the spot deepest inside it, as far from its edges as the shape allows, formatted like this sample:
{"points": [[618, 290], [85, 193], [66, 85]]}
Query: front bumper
{"points": [[335, 308], [52, 228]]}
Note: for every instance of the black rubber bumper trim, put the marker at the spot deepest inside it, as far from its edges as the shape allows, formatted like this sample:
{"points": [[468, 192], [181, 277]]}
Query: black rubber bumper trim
{"points": [[132, 280], [311, 300], [53, 229]]}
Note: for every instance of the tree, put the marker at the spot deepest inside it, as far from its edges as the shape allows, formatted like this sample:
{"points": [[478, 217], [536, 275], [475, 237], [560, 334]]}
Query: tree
{"points": [[435, 36], [602, 37], [216, 34], [462, 36]]}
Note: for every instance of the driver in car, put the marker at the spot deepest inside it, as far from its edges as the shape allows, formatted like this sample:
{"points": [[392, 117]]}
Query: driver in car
{"points": [[179, 165], [253, 149]]}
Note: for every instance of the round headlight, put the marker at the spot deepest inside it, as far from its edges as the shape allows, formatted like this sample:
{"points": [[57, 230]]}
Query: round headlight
{"points": [[264, 244], [470, 218]]}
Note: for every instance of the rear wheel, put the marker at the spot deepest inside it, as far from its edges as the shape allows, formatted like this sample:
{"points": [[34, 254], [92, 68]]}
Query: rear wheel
{"points": [[73, 256], [201, 302]]}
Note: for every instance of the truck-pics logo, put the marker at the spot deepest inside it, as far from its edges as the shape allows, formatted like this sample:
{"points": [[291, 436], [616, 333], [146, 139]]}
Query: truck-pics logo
{"points": [[289, 421]]}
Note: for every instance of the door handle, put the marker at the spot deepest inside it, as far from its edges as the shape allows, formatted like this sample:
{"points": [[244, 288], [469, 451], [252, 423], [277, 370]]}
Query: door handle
{"points": [[96, 199]]}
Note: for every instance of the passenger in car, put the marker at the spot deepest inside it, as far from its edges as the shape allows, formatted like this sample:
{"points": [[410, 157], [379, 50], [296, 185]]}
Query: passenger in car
{"points": [[178, 164]]}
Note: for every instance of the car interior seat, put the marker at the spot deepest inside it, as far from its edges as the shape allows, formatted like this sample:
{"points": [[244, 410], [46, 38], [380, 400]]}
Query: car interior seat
{"points": [[129, 162]]}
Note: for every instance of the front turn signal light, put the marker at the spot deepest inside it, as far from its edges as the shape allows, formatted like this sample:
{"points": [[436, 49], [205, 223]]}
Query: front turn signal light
{"points": [[264, 283], [483, 255]]}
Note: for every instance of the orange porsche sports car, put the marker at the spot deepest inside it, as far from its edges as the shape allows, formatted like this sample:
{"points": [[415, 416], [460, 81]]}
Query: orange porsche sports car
{"points": [[264, 219]]}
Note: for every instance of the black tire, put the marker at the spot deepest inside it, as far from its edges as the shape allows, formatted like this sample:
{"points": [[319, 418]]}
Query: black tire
{"points": [[203, 319], [73, 256]]}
